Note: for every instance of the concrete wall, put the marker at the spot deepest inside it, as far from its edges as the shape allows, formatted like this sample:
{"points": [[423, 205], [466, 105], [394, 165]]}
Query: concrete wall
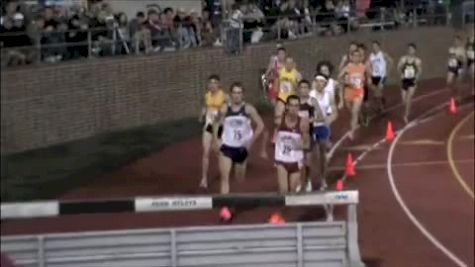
{"points": [[48, 105]]}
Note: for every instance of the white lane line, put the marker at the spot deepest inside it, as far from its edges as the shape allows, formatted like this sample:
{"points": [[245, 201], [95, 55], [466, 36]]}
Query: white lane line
{"points": [[407, 211], [416, 99]]}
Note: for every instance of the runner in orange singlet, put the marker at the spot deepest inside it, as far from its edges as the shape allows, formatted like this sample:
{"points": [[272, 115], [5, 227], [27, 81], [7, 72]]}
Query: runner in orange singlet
{"points": [[353, 76]]}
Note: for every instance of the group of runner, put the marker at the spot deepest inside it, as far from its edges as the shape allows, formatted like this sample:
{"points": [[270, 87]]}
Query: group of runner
{"points": [[304, 110]]}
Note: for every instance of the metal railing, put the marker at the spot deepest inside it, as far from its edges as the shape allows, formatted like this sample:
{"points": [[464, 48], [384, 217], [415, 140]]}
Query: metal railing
{"points": [[51, 47], [330, 243]]}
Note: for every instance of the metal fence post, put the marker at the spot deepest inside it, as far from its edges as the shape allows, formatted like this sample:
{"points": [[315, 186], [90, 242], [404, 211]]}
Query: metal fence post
{"points": [[299, 245], [38, 46], [89, 43], [352, 237], [173, 248], [41, 251]]}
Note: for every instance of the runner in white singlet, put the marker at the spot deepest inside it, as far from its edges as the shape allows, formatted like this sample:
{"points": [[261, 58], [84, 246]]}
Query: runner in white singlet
{"points": [[379, 63], [237, 136], [325, 113], [292, 138], [325, 68]]}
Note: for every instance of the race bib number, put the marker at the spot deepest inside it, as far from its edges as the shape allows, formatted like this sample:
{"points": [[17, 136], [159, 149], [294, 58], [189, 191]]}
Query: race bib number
{"points": [[409, 72], [286, 149], [356, 81], [237, 135], [376, 70], [286, 87], [453, 62], [471, 54]]}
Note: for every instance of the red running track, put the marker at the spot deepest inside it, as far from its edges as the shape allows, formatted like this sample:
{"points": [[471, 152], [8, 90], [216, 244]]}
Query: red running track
{"points": [[382, 222]]}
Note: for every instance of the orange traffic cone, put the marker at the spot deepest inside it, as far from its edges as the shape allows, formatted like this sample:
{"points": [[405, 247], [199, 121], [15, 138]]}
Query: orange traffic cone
{"points": [[276, 218], [452, 106], [225, 214], [390, 132], [350, 166], [340, 185]]}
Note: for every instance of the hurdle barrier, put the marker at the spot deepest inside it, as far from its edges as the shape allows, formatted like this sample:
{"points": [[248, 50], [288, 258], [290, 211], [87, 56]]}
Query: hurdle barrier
{"points": [[330, 243]]}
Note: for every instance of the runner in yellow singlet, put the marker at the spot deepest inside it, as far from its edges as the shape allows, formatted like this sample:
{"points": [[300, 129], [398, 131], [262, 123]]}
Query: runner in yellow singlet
{"points": [[287, 86], [214, 99]]}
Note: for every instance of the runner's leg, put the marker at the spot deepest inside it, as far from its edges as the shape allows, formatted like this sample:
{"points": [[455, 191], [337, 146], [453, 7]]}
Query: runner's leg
{"points": [[282, 179], [225, 166], [207, 142]]}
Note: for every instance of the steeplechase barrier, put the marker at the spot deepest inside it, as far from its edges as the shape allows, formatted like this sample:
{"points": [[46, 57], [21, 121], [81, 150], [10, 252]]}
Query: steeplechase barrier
{"points": [[329, 243]]}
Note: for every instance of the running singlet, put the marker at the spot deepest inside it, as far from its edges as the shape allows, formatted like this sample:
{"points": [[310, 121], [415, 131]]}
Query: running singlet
{"points": [[378, 64], [214, 102], [306, 109], [237, 128], [409, 69], [454, 62], [324, 103], [287, 82], [286, 140], [356, 75], [330, 88]]}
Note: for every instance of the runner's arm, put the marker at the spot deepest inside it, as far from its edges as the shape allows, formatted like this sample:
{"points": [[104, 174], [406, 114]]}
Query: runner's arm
{"points": [[342, 62], [256, 118], [221, 113], [270, 67], [341, 75], [340, 90], [400, 64], [201, 118], [419, 68], [332, 117], [368, 73]]}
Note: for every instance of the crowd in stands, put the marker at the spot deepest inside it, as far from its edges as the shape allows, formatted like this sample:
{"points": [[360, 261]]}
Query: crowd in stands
{"points": [[53, 33]]}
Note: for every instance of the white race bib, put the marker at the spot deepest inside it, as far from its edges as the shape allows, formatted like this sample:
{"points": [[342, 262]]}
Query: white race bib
{"points": [[376, 70], [237, 135], [409, 72], [285, 87], [286, 149], [356, 81]]}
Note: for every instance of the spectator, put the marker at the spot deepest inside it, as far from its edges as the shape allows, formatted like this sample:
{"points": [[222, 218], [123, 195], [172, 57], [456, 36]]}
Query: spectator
{"points": [[16, 40], [135, 23], [76, 37], [123, 34], [233, 34], [185, 35], [253, 20]]}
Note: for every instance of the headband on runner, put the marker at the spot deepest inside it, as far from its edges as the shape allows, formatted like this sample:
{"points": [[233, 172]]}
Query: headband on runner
{"points": [[321, 78]]}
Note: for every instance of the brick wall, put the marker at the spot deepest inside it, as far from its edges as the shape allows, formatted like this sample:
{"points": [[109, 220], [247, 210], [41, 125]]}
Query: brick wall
{"points": [[46, 105]]}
